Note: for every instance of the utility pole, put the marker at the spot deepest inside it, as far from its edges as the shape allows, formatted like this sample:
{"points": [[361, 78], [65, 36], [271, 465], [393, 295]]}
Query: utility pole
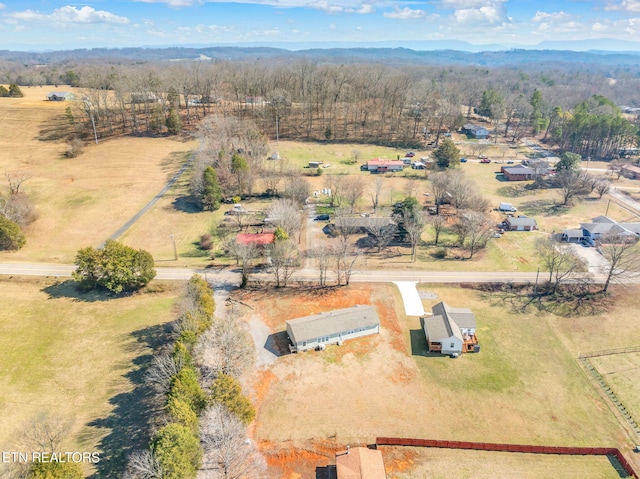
{"points": [[607, 212]]}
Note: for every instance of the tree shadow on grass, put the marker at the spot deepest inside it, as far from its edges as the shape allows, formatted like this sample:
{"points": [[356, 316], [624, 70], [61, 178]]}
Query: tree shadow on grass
{"points": [[186, 204], [542, 208], [131, 423], [69, 289]]}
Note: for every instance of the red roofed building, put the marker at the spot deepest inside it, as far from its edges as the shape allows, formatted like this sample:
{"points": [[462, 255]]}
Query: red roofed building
{"points": [[258, 239]]}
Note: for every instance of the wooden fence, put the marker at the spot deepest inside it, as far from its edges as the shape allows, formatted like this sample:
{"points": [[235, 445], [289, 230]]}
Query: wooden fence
{"points": [[528, 449]]}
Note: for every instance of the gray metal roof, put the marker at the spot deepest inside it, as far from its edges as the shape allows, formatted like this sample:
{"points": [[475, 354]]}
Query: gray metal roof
{"points": [[447, 321], [332, 322], [518, 170], [521, 221], [573, 233]]}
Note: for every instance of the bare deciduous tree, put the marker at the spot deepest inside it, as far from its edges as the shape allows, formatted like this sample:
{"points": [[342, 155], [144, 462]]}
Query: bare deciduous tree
{"points": [[45, 433], [414, 223], [382, 234], [163, 368], [602, 187], [225, 348], [228, 453], [335, 184], [298, 189], [622, 255], [285, 261], [438, 223], [286, 214], [561, 262], [143, 464], [473, 229], [244, 253], [375, 192], [345, 254], [570, 185], [15, 181], [322, 254]]}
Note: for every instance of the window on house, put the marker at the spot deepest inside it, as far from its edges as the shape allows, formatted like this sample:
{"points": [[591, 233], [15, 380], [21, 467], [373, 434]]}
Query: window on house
{"points": [[452, 345]]}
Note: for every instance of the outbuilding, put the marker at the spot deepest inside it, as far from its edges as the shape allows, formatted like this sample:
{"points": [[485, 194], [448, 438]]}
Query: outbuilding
{"points": [[60, 96], [333, 327], [475, 131], [521, 223]]}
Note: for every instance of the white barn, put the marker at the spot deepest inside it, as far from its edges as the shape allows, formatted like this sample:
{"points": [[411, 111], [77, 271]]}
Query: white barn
{"points": [[332, 327]]}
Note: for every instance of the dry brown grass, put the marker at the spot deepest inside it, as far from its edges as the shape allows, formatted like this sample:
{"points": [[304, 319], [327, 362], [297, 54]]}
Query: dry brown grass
{"points": [[77, 357], [80, 201]]}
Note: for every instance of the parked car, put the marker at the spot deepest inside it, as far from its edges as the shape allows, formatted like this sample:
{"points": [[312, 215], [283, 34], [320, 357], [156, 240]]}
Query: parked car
{"points": [[463, 160], [482, 157], [485, 160], [411, 154], [322, 218]]}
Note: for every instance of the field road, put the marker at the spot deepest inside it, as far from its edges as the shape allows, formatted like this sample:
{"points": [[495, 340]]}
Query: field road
{"points": [[230, 275]]}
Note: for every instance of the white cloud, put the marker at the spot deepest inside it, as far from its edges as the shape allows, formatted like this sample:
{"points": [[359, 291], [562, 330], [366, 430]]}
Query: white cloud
{"points": [[174, 3], [2, 6], [332, 8], [405, 13], [624, 6], [487, 14], [630, 26], [68, 14], [555, 17]]}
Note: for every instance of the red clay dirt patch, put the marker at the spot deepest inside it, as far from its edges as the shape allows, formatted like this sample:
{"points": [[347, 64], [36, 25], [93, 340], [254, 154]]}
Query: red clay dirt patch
{"points": [[288, 462], [280, 305], [397, 460]]}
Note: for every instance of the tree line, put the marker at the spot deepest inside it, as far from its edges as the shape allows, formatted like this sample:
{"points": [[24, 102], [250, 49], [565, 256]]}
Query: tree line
{"points": [[204, 412]]}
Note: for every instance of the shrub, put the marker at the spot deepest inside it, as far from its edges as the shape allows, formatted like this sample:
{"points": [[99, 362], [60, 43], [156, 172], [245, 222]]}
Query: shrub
{"points": [[11, 236], [178, 451], [185, 387], [206, 242], [55, 470], [440, 253], [76, 147], [181, 413], [226, 390]]}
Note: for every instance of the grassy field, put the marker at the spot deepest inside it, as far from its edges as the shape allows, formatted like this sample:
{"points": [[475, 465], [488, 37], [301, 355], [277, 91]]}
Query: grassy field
{"points": [[79, 358], [622, 373], [525, 386], [412, 462], [80, 201]]}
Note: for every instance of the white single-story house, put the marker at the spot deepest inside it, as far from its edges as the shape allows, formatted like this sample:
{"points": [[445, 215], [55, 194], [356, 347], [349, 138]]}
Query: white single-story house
{"points": [[601, 225], [383, 166], [360, 463], [60, 96], [450, 330], [333, 327]]}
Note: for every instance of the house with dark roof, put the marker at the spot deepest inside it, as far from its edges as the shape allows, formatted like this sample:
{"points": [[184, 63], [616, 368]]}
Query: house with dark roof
{"points": [[600, 226], [360, 463], [520, 223], [475, 131], [631, 171], [332, 327], [60, 96], [450, 330], [360, 224]]}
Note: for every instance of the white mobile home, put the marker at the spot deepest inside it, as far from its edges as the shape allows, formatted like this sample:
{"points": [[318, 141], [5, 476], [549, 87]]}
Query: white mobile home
{"points": [[332, 327], [451, 330]]}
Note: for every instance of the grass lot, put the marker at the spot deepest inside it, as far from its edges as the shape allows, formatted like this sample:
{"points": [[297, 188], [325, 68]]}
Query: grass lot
{"points": [[78, 357], [80, 201], [406, 463], [525, 386], [622, 373]]}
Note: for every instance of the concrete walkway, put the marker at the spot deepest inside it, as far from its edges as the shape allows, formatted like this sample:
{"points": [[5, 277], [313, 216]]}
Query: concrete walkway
{"points": [[412, 302]]}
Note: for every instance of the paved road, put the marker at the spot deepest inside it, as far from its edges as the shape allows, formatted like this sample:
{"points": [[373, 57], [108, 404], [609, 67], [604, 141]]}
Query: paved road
{"points": [[230, 275]]}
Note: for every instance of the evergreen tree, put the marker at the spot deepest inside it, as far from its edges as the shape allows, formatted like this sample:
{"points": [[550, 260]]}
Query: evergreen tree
{"points": [[226, 390], [14, 90], [55, 470], [3, 91], [211, 194], [178, 451], [11, 236], [447, 155], [173, 122]]}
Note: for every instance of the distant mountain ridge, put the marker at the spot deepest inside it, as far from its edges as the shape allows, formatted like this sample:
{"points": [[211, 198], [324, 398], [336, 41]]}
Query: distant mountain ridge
{"points": [[352, 54]]}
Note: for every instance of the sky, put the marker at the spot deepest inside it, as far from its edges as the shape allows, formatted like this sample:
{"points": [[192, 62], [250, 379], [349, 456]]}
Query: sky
{"points": [[39, 25]]}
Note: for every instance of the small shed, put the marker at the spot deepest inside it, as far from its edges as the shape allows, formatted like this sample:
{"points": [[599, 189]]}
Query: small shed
{"points": [[315, 164], [521, 223], [60, 96], [332, 327]]}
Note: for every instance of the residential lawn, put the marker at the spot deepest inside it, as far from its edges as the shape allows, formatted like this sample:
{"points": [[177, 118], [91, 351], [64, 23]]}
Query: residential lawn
{"points": [[80, 358], [525, 386]]}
